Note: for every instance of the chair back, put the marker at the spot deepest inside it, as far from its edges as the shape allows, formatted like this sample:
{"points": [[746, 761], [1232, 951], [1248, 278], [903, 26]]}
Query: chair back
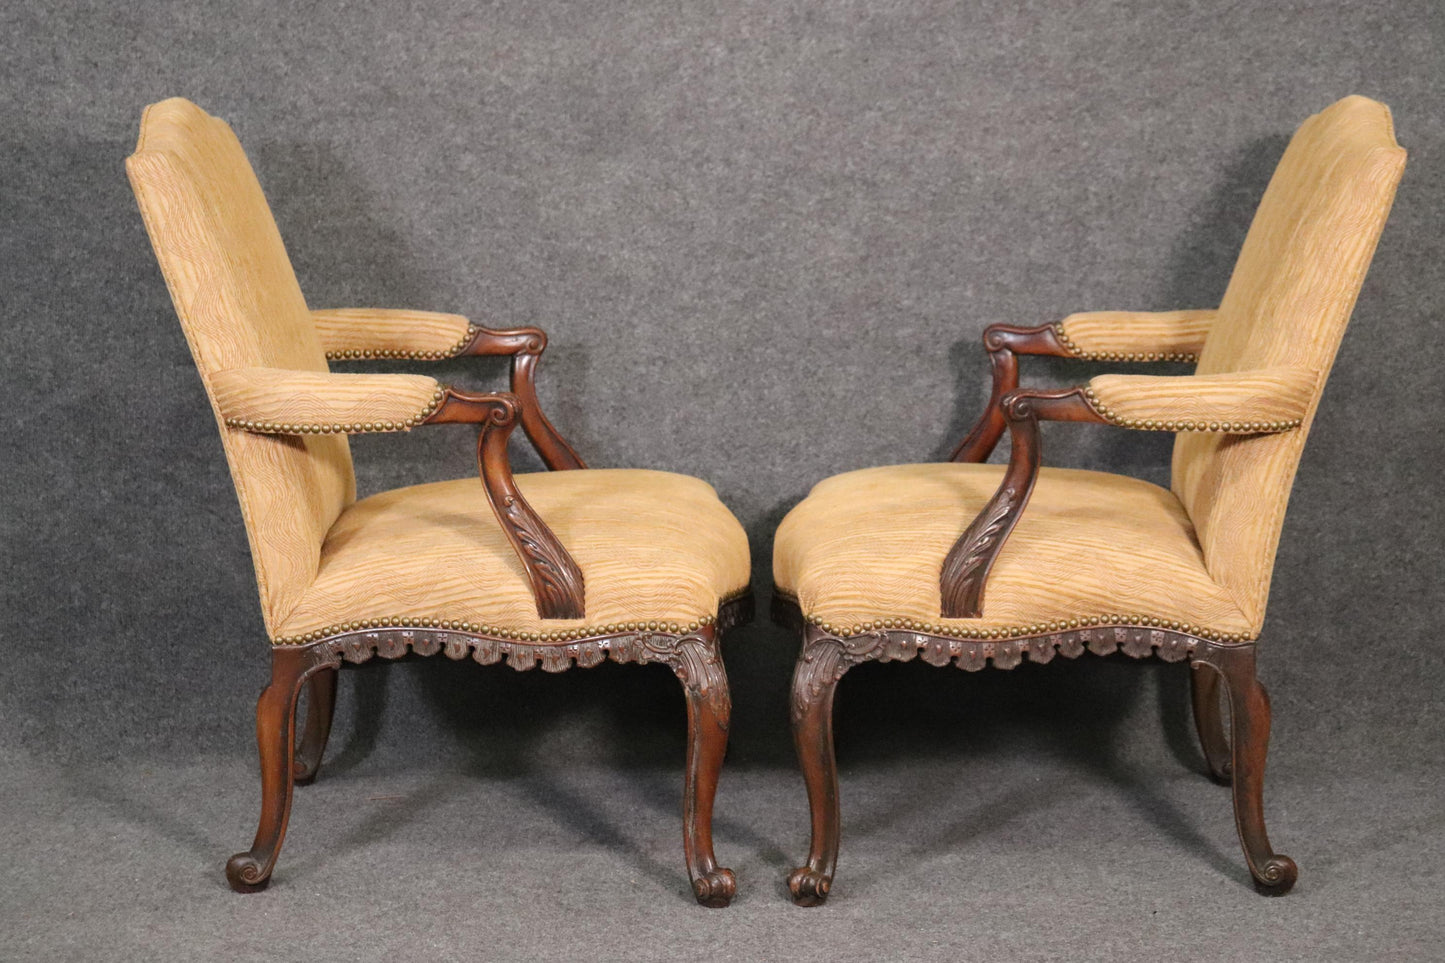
{"points": [[1287, 304], [239, 304]]}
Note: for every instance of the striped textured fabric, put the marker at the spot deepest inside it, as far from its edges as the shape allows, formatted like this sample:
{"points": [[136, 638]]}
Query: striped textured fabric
{"points": [[289, 400], [390, 332], [869, 545], [651, 545], [1287, 304], [1122, 333], [240, 306], [1271, 396]]}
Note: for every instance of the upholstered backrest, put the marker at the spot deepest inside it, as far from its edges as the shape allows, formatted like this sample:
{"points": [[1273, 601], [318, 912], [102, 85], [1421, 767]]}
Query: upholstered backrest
{"points": [[240, 305], [1288, 302]]}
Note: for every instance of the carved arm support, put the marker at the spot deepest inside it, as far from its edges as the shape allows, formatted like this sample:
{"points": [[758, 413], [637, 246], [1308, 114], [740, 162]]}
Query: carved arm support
{"points": [[275, 401], [1089, 336], [363, 333], [1264, 401]]}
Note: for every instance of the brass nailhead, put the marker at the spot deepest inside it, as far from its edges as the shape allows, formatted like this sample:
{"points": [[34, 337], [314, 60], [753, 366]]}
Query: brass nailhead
{"points": [[1149, 424], [1083, 355], [272, 428], [1040, 628], [490, 631], [388, 353]]}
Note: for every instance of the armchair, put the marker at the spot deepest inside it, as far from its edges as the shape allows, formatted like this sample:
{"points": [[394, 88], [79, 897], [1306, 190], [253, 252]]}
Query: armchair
{"points": [[972, 564], [569, 566]]}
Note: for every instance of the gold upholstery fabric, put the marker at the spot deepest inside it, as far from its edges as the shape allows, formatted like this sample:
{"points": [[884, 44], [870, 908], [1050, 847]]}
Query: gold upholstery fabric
{"points": [[240, 306], [651, 545], [276, 399], [390, 332], [1287, 304], [869, 545], [1100, 333], [1270, 396]]}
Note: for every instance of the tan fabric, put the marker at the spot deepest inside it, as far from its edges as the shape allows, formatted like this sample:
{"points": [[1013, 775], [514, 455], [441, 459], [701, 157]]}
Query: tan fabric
{"points": [[1138, 333], [389, 332], [1272, 396], [870, 544], [1287, 304], [275, 399], [651, 546], [240, 306]]}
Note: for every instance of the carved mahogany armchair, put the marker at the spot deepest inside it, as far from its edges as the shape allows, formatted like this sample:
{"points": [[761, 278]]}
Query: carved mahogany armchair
{"points": [[971, 564], [554, 568]]}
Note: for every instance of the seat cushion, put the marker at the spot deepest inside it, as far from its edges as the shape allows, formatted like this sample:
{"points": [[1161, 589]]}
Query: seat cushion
{"points": [[869, 545], [652, 546]]}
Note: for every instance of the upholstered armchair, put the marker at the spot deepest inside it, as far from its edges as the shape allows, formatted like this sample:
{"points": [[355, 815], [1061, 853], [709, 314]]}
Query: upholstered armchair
{"points": [[972, 564], [569, 566]]}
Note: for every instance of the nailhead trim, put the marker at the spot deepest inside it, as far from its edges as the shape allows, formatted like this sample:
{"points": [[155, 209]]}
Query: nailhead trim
{"points": [[356, 428], [362, 354], [1020, 631], [1153, 424], [1083, 355], [496, 631]]}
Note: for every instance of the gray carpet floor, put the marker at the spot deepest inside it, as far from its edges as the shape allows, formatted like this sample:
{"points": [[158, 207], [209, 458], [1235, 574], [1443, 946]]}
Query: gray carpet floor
{"points": [[1016, 831]]}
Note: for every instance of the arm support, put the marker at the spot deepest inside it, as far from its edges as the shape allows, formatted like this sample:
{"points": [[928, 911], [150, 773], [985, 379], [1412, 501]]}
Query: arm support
{"points": [[362, 333], [275, 401], [1250, 402], [1137, 335], [279, 401], [1095, 336], [1245, 402]]}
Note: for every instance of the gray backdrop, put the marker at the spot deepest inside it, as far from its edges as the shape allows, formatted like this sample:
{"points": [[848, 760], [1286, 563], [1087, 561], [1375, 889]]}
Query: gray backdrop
{"points": [[764, 238]]}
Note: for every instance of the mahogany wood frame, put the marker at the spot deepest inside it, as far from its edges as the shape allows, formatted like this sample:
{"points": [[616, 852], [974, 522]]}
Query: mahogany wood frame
{"points": [[694, 657], [1235, 753], [558, 587]]}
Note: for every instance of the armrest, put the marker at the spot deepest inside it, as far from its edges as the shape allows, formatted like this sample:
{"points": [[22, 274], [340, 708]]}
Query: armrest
{"points": [[364, 333], [279, 402], [1249, 402], [1137, 335], [352, 333], [1093, 336], [1245, 402]]}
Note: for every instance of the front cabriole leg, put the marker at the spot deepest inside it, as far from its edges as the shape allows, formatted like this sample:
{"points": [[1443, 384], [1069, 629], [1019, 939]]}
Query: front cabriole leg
{"points": [[698, 664], [822, 662], [1274, 873], [291, 666]]}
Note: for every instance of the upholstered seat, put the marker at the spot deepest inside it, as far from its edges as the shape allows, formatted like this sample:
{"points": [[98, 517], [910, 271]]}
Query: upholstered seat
{"points": [[865, 548], [654, 547]]}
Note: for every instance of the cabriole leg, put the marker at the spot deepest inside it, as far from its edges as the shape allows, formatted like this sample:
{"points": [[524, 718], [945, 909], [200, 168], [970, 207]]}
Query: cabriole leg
{"points": [[1249, 738], [275, 738], [1209, 721], [320, 707], [698, 665], [820, 665]]}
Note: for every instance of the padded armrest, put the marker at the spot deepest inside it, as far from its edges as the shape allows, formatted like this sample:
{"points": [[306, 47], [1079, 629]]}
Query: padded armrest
{"points": [[1136, 335], [278, 401], [1245, 402], [392, 333]]}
